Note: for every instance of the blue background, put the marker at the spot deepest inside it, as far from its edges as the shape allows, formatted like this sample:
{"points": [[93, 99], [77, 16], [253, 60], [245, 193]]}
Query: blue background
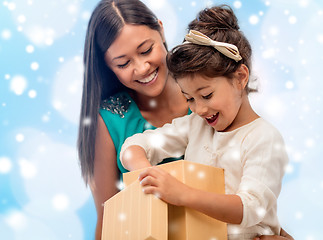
{"points": [[42, 195]]}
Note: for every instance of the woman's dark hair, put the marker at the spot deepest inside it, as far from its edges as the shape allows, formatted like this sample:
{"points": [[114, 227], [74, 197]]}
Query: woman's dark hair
{"points": [[106, 22], [220, 24]]}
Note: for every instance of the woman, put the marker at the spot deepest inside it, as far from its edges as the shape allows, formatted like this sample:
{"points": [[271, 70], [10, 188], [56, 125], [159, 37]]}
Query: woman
{"points": [[126, 90]]}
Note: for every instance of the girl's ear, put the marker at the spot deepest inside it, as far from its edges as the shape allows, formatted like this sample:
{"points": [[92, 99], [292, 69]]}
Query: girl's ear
{"points": [[242, 75], [162, 30]]}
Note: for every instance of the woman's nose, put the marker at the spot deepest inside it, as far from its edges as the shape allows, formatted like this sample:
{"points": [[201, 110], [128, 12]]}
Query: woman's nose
{"points": [[141, 68]]}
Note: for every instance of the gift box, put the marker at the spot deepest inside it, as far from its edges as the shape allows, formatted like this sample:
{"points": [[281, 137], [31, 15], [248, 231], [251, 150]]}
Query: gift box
{"points": [[133, 215]]}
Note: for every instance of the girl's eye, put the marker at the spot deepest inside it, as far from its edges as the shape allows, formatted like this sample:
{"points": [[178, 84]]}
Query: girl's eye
{"points": [[123, 65], [208, 96], [147, 51], [189, 99]]}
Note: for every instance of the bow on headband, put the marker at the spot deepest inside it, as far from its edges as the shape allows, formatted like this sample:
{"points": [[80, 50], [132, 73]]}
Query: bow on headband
{"points": [[227, 49]]}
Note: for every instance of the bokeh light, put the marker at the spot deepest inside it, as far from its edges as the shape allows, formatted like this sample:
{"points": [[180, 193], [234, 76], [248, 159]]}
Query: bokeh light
{"points": [[43, 195]]}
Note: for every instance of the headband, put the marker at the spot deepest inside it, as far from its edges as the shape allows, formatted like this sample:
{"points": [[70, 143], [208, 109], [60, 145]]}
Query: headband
{"points": [[227, 49]]}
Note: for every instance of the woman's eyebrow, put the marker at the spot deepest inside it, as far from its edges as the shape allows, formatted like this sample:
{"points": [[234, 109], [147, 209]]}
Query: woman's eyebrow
{"points": [[139, 46], [118, 57]]}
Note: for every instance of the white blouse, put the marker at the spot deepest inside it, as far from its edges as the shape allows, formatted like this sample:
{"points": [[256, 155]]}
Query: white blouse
{"points": [[253, 158]]}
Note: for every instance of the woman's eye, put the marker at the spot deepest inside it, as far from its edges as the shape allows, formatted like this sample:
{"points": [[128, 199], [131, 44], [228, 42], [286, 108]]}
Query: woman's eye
{"points": [[208, 96], [189, 99], [147, 51], [123, 65]]}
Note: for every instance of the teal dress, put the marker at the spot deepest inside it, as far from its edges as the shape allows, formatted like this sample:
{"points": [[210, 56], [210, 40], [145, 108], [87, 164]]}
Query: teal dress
{"points": [[123, 119]]}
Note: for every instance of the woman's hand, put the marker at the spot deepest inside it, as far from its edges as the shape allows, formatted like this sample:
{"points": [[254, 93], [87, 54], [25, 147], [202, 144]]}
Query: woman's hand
{"points": [[163, 185]]}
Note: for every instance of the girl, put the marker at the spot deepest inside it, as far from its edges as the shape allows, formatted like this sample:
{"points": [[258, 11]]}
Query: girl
{"points": [[212, 68]]}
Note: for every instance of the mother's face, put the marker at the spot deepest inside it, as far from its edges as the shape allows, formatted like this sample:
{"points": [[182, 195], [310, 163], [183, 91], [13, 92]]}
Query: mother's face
{"points": [[138, 58]]}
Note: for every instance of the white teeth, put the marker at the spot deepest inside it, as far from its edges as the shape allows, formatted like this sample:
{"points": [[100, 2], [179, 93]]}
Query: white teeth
{"points": [[209, 118], [149, 78]]}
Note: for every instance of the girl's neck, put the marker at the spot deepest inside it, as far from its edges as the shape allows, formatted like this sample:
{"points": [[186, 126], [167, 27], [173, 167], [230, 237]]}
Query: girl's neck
{"points": [[246, 115]]}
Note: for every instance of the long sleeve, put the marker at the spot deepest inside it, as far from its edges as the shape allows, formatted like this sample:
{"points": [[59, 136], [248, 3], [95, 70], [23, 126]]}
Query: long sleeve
{"points": [[263, 162], [254, 159], [168, 141]]}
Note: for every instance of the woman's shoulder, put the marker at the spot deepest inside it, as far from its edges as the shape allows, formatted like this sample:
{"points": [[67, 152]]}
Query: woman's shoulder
{"points": [[121, 116]]}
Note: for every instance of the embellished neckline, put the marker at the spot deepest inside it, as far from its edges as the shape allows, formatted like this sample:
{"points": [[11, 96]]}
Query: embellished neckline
{"points": [[117, 104]]}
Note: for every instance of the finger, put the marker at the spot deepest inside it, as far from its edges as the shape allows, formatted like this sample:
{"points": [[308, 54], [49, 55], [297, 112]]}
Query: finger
{"points": [[151, 171], [149, 180], [159, 170], [144, 174], [151, 190]]}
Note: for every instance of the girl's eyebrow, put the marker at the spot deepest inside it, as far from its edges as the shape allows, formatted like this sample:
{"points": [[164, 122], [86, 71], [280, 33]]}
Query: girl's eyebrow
{"points": [[199, 89], [139, 46]]}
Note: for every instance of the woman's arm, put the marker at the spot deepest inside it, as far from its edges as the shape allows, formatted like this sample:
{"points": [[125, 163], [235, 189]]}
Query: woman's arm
{"points": [[224, 207], [104, 182]]}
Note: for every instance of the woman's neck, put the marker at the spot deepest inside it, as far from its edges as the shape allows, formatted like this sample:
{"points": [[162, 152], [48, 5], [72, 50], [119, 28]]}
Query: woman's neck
{"points": [[167, 99], [163, 108]]}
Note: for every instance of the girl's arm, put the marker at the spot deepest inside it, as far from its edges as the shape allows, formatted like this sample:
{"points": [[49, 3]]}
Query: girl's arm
{"points": [[104, 182], [134, 157], [152, 146], [226, 208]]}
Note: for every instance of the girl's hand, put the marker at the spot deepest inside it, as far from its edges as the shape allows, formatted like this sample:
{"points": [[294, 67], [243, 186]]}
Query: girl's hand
{"points": [[164, 186], [283, 233], [274, 237], [283, 236]]}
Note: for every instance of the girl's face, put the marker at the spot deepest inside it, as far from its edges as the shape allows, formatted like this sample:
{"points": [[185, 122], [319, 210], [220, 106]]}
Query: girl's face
{"points": [[218, 100], [138, 58]]}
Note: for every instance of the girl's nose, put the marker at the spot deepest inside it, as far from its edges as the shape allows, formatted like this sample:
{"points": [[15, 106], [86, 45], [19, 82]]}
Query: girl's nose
{"points": [[200, 109]]}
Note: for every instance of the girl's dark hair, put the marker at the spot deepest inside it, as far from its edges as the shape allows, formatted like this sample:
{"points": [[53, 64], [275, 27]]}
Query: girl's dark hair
{"points": [[220, 24], [106, 22]]}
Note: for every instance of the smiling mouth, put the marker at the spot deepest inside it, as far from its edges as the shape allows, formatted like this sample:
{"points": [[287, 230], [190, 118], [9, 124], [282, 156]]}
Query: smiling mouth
{"points": [[149, 78], [212, 118]]}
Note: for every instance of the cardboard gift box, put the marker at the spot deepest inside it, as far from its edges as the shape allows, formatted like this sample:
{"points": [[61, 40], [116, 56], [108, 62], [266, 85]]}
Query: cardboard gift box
{"points": [[133, 215]]}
